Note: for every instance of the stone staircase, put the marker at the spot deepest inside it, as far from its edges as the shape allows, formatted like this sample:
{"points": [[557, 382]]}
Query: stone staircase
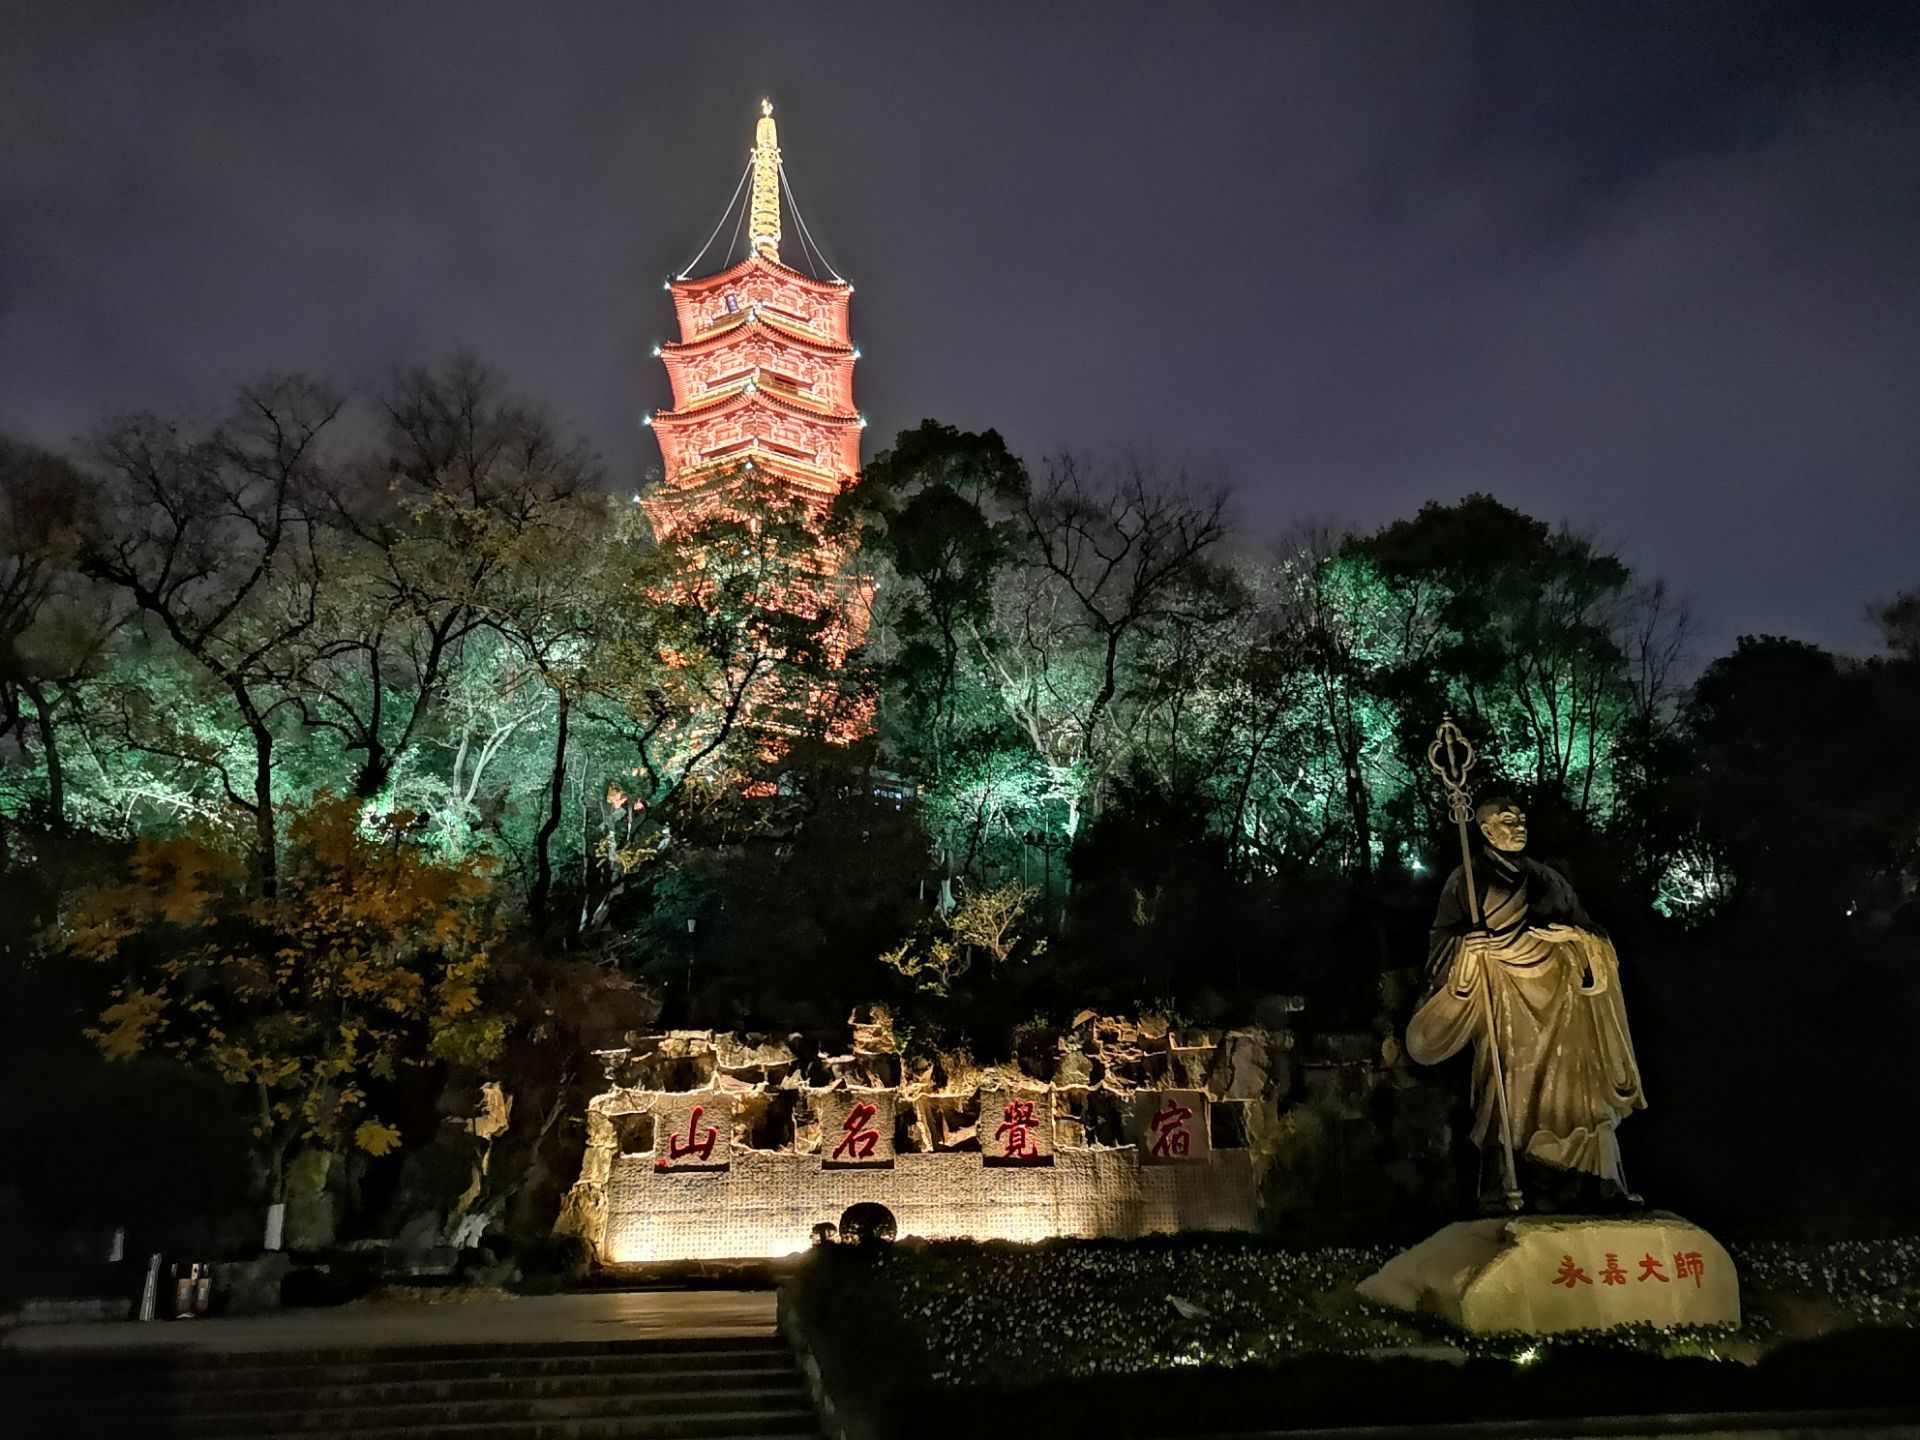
{"points": [[728, 1389]]}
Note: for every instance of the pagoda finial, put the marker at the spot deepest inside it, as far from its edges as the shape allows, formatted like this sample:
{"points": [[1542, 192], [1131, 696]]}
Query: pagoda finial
{"points": [[763, 222]]}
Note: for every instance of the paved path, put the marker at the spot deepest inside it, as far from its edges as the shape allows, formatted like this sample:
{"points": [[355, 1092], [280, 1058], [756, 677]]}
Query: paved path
{"points": [[634, 1315]]}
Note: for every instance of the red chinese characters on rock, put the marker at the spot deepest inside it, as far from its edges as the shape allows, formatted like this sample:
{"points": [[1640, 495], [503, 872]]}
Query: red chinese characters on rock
{"points": [[1015, 1135], [1686, 1263], [1571, 1274], [694, 1145], [1690, 1262], [1171, 1137], [859, 1138]]}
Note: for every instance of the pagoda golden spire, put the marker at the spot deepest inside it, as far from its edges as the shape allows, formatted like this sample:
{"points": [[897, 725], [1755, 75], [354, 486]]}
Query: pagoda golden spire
{"points": [[763, 221]]}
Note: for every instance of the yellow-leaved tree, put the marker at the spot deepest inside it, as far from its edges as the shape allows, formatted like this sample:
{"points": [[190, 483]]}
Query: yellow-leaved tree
{"points": [[367, 961], [990, 921]]}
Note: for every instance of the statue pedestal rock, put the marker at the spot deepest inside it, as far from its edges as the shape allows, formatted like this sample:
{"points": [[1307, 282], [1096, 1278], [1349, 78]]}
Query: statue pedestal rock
{"points": [[1542, 1274]]}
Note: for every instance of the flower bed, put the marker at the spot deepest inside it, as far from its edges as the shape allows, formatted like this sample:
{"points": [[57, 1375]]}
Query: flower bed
{"points": [[1224, 1332]]}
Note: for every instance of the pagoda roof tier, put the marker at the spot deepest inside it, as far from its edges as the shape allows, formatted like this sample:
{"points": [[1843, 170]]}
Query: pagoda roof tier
{"points": [[819, 469], [774, 387], [817, 310], [714, 336], [747, 393], [755, 461], [733, 274]]}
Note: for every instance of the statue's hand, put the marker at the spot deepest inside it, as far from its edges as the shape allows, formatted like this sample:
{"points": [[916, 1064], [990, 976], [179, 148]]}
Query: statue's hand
{"points": [[1469, 959], [1556, 934], [1589, 977]]}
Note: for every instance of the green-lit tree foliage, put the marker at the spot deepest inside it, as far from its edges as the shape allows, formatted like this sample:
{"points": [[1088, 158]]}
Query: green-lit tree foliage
{"points": [[938, 515], [435, 533], [1517, 628], [1114, 568], [652, 761], [215, 541]]}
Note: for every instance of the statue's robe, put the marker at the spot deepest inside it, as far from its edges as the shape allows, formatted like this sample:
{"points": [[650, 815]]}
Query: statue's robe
{"points": [[1555, 987]]}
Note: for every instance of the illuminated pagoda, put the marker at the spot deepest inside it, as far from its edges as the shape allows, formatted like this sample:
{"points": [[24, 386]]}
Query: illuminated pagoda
{"points": [[762, 378]]}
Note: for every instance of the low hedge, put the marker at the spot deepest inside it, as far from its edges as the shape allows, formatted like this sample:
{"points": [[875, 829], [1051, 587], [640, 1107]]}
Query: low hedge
{"points": [[876, 1366]]}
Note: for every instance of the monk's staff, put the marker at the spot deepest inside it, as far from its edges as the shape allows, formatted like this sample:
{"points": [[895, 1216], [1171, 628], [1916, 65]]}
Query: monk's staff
{"points": [[1451, 757]]}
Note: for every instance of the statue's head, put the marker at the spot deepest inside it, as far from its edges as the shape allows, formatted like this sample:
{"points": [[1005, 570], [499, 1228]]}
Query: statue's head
{"points": [[1503, 823]]}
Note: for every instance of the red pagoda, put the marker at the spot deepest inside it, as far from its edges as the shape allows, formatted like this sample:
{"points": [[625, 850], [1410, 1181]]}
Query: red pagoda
{"points": [[762, 373], [762, 378]]}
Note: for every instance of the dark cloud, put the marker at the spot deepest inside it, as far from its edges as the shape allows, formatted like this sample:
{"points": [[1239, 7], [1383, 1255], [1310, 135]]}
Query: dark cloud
{"points": [[1650, 269]]}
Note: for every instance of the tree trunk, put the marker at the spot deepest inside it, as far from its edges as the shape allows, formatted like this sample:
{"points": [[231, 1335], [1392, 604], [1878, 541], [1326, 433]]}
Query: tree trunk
{"points": [[263, 820], [49, 743], [1359, 807], [374, 772], [556, 793]]}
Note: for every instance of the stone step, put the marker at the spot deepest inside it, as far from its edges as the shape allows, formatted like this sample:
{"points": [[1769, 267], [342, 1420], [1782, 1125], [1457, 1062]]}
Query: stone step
{"points": [[295, 1373], [310, 1409], [726, 1389], [653, 1386], [190, 1357], [741, 1424], [401, 1419]]}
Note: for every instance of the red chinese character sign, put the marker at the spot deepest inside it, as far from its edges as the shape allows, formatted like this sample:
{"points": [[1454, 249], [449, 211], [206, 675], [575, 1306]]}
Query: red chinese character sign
{"points": [[693, 1132], [856, 1128], [1540, 1274], [1171, 1126], [1016, 1127], [1687, 1264]]}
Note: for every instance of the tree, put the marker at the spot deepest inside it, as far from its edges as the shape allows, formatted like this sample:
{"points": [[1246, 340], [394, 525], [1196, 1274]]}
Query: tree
{"points": [[935, 513], [1899, 622], [423, 532], [368, 961], [214, 540], [1272, 697], [1110, 564], [1353, 637], [46, 638], [502, 526], [1789, 784], [1520, 630], [989, 921], [729, 644]]}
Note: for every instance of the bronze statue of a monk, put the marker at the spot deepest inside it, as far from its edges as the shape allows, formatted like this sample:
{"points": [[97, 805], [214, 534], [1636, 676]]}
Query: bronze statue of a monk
{"points": [[1565, 1052]]}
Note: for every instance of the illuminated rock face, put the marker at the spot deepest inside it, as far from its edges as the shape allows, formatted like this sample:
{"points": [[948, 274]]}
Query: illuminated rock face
{"points": [[765, 1205], [1132, 1130]]}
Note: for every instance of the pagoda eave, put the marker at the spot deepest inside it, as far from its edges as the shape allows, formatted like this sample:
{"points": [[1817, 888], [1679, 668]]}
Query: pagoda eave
{"points": [[755, 463], [703, 284], [743, 399], [737, 328]]}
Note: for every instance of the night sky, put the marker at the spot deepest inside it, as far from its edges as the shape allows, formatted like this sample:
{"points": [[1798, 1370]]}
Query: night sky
{"points": [[1654, 270]]}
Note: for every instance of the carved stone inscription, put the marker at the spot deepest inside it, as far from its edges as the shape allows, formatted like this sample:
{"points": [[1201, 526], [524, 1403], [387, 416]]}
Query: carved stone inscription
{"points": [[1171, 1126], [856, 1128], [693, 1132]]}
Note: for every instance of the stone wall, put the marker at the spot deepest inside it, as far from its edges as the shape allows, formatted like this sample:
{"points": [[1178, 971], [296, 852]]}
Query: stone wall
{"points": [[713, 1146]]}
